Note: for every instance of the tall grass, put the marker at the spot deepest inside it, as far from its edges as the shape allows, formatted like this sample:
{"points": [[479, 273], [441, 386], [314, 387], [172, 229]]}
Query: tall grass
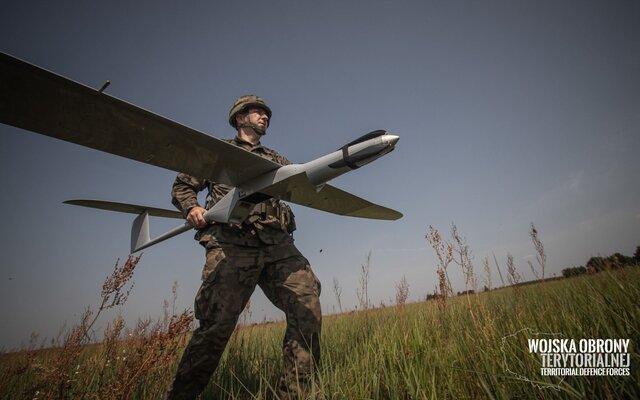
{"points": [[473, 347], [423, 351]]}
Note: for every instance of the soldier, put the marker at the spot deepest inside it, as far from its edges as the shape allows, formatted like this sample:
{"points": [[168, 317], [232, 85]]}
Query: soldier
{"points": [[259, 251]]}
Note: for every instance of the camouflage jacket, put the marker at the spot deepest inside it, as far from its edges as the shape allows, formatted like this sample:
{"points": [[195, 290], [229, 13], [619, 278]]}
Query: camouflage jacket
{"points": [[274, 226]]}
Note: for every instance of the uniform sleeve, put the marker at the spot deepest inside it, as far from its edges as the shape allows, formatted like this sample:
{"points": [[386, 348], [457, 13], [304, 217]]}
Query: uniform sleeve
{"points": [[282, 160], [184, 193]]}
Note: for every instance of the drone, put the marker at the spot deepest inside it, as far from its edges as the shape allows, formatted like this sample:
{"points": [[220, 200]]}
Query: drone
{"points": [[43, 102]]}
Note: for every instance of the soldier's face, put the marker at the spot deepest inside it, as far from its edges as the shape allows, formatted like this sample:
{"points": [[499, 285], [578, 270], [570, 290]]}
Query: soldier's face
{"points": [[257, 116]]}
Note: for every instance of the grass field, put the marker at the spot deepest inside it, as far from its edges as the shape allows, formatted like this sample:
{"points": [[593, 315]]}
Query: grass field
{"points": [[465, 347]]}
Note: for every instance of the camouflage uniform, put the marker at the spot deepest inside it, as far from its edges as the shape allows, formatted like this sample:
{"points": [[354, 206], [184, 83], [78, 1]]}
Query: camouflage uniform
{"points": [[239, 257]]}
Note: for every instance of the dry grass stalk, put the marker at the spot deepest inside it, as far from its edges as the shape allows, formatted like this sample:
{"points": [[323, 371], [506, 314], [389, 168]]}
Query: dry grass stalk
{"points": [[541, 257], [145, 355], [113, 289], [487, 273], [56, 371], [337, 290], [513, 275], [111, 342], [113, 293], [444, 289], [514, 279], [58, 378], [495, 261], [363, 291], [402, 292], [533, 270], [457, 252], [462, 257], [22, 364], [444, 253]]}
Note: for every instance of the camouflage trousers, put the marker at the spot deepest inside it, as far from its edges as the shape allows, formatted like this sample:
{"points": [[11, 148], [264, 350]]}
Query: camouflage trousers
{"points": [[230, 276]]}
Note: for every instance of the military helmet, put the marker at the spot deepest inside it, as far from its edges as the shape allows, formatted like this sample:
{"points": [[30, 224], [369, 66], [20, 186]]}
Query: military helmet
{"points": [[243, 103]]}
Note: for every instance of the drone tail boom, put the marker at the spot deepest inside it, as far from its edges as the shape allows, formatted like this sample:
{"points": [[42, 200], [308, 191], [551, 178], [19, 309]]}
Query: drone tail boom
{"points": [[140, 238]]}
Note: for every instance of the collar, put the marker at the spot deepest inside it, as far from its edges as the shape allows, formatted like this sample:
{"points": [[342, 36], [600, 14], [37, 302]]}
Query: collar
{"points": [[243, 143]]}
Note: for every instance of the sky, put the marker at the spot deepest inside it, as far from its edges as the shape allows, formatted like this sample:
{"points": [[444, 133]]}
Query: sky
{"points": [[508, 112]]}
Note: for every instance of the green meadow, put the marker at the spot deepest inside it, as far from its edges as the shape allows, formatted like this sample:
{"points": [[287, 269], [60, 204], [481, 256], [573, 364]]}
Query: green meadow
{"points": [[464, 347]]}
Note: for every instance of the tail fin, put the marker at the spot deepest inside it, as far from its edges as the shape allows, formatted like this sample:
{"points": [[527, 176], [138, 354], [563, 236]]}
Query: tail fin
{"points": [[140, 231], [140, 238]]}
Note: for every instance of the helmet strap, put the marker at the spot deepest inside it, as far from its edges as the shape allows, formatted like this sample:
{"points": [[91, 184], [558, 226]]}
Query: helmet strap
{"points": [[256, 128]]}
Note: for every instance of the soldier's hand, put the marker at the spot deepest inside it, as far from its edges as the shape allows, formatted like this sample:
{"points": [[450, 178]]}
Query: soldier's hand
{"points": [[195, 217]]}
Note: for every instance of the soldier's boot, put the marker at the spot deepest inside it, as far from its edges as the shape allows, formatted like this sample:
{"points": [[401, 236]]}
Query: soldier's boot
{"points": [[183, 391], [298, 380], [309, 389]]}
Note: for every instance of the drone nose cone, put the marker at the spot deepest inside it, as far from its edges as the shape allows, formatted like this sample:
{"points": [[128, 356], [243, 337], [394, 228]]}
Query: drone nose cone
{"points": [[391, 140]]}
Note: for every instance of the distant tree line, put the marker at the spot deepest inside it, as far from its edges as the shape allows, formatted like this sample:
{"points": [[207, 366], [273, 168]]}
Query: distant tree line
{"points": [[597, 264]]}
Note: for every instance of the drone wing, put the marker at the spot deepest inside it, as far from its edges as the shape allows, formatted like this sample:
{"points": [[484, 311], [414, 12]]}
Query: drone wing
{"points": [[299, 190], [40, 101], [336, 201]]}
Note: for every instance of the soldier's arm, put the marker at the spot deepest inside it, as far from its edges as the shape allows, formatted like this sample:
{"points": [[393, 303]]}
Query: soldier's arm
{"points": [[282, 160], [184, 195]]}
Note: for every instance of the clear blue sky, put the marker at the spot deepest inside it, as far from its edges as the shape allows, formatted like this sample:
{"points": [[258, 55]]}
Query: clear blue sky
{"points": [[509, 112]]}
